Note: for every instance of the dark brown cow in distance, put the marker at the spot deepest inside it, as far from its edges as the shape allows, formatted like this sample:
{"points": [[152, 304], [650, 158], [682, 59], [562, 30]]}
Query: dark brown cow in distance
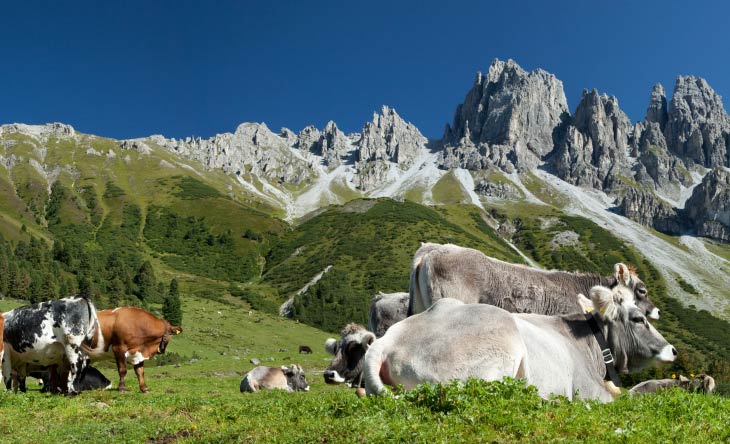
{"points": [[305, 349], [130, 335]]}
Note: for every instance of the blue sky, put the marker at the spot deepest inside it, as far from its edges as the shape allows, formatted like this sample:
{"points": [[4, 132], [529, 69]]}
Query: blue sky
{"points": [[130, 69]]}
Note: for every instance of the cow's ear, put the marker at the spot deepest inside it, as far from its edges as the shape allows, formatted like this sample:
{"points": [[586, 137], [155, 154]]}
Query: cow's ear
{"points": [[586, 305], [682, 378], [330, 345], [604, 302], [367, 339], [287, 370], [622, 274]]}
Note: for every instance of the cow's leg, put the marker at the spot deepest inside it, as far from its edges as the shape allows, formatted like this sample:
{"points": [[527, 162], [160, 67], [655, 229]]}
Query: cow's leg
{"points": [[7, 370], [57, 375], [19, 378], [6, 365], [139, 371], [77, 361], [121, 368]]}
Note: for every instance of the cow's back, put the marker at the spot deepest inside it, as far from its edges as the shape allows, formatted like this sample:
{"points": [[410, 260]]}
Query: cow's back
{"points": [[450, 340], [39, 333], [127, 327], [441, 271]]}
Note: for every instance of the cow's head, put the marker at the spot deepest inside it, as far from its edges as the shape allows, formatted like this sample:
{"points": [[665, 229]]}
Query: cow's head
{"points": [[295, 378], [699, 383], [171, 331], [626, 275], [348, 352], [634, 342]]}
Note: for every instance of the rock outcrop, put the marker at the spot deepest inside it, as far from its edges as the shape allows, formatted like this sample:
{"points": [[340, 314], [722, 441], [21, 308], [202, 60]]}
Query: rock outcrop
{"points": [[657, 168], [593, 151], [42, 132], [252, 148], [508, 116], [388, 137], [697, 129], [649, 210], [708, 209], [657, 110], [386, 142], [331, 143]]}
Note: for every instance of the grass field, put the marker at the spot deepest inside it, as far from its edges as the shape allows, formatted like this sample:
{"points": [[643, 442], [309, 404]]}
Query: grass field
{"points": [[198, 401]]}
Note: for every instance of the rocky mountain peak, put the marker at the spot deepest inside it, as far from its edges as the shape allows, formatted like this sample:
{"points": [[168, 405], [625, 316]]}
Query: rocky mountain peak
{"points": [[657, 110], [43, 132], [509, 116], [388, 137], [697, 128], [593, 150]]}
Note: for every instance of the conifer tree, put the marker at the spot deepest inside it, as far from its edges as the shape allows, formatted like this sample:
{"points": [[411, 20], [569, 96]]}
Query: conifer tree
{"points": [[171, 307], [146, 283]]}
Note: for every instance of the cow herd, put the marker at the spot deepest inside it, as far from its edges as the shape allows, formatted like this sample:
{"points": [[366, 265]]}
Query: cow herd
{"points": [[466, 315], [57, 340]]}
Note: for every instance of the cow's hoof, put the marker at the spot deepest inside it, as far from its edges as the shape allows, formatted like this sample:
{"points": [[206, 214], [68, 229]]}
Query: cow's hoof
{"points": [[71, 394], [144, 390], [360, 392], [122, 389]]}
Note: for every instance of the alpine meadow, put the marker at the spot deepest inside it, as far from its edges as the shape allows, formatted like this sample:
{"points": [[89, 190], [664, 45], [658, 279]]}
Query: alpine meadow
{"points": [[254, 247]]}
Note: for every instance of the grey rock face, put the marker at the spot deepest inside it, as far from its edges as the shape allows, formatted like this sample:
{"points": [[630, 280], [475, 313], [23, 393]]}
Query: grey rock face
{"points": [[658, 168], [649, 210], [509, 116], [497, 190], [43, 132], [657, 110], [251, 148], [593, 150], [331, 144], [708, 209], [386, 142], [388, 137], [697, 128]]}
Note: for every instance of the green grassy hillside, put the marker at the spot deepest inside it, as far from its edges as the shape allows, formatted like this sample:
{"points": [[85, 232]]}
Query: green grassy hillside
{"points": [[105, 211], [369, 244]]}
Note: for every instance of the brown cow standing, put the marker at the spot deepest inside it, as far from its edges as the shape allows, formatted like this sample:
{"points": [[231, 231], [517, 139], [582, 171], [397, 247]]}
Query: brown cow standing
{"points": [[130, 335]]}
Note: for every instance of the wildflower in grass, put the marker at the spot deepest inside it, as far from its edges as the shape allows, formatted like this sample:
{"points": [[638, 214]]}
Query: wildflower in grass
{"points": [[674, 376]]}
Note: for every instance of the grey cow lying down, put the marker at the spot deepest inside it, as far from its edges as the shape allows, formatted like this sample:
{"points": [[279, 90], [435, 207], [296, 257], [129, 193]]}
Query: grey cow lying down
{"points": [[699, 384], [557, 354], [286, 378]]}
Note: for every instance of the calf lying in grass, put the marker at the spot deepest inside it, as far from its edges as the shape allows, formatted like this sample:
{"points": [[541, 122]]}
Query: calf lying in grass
{"points": [[286, 378], [698, 384]]}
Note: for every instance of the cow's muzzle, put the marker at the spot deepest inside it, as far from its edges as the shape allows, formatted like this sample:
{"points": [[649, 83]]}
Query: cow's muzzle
{"points": [[332, 377]]}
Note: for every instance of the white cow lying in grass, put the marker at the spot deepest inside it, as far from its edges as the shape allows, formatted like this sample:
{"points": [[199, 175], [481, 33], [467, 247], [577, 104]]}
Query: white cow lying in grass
{"points": [[557, 354]]}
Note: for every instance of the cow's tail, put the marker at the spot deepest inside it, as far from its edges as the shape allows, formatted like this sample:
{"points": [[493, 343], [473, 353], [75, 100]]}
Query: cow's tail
{"points": [[419, 289], [373, 365], [93, 329]]}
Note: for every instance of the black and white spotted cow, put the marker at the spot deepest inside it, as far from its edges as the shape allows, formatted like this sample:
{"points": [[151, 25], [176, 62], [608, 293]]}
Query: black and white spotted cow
{"points": [[49, 333]]}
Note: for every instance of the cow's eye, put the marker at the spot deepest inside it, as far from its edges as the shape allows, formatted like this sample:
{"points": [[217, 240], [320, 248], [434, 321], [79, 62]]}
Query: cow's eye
{"points": [[638, 319], [641, 291]]}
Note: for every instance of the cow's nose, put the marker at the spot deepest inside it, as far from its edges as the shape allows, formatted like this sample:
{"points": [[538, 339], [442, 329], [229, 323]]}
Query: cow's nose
{"points": [[674, 352], [328, 375]]}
